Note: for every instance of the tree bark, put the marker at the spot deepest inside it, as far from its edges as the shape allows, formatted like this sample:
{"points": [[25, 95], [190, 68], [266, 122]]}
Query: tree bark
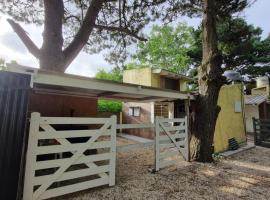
{"points": [[210, 80], [52, 56]]}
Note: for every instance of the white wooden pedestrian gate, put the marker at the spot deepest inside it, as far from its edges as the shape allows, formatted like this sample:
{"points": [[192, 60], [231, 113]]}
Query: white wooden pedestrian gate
{"points": [[171, 141], [69, 154], [66, 155]]}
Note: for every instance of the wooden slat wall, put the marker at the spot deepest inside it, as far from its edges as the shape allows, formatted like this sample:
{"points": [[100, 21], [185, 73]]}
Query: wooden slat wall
{"points": [[65, 166], [261, 132]]}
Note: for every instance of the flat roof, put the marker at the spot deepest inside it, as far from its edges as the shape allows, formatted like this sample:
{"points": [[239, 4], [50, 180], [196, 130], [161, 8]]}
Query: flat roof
{"points": [[169, 74], [74, 85], [254, 99]]}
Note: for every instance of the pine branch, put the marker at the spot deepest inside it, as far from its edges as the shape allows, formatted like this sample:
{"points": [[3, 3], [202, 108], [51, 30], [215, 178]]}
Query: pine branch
{"points": [[120, 29], [30, 45]]}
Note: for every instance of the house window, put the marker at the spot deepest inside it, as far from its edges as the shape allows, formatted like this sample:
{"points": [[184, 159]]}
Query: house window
{"points": [[134, 111], [161, 110], [168, 83]]}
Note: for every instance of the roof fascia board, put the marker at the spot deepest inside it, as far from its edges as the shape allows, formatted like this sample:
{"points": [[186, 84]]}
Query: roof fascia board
{"points": [[59, 80]]}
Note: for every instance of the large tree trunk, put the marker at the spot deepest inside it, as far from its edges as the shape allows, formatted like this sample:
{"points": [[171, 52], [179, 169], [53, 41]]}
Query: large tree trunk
{"points": [[52, 56], [210, 81]]}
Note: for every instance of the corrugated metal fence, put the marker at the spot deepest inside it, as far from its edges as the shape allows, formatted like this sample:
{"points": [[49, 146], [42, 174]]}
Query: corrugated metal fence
{"points": [[14, 94]]}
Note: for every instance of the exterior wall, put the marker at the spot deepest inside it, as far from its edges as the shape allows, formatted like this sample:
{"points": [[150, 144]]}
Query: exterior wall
{"points": [[50, 105], [145, 117], [109, 114], [155, 81], [138, 76], [264, 110], [14, 95], [250, 112], [229, 123], [145, 77], [183, 85], [261, 91]]}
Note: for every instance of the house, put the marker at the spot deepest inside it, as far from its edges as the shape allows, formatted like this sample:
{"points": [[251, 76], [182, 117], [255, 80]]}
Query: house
{"points": [[257, 104], [25, 90], [230, 122], [134, 112]]}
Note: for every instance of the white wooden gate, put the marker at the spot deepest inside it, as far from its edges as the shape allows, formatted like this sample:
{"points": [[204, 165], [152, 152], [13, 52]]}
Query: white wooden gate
{"points": [[65, 161], [171, 141]]}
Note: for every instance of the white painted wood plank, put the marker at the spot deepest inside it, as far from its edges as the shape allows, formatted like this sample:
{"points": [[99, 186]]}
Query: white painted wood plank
{"points": [[134, 126], [113, 151], [74, 188], [72, 147], [175, 136], [84, 159], [172, 145], [164, 120], [175, 128], [177, 144], [157, 145], [73, 159], [31, 157], [186, 151], [73, 120], [65, 142], [73, 174], [70, 134]]}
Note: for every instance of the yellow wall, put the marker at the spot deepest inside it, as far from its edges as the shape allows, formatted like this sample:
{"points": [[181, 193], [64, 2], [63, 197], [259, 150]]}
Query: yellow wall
{"points": [[229, 123], [144, 76], [155, 80], [183, 85], [261, 91], [250, 112], [138, 76]]}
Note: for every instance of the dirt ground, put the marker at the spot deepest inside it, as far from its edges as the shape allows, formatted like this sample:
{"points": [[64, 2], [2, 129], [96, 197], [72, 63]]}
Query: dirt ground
{"points": [[243, 176]]}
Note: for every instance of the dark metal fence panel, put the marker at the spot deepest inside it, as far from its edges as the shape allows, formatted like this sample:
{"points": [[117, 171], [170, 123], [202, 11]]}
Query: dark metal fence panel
{"points": [[261, 132], [14, 94]]}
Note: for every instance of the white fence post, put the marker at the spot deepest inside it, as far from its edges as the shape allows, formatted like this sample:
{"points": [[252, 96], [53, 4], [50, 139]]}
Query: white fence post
{"points": [[31, 156], [187, 138], [113, 151], [157, 131]]}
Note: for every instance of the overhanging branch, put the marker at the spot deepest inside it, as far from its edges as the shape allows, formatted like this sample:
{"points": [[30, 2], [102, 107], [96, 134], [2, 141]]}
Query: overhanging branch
{"points": [[120, 29], [30, 45]]}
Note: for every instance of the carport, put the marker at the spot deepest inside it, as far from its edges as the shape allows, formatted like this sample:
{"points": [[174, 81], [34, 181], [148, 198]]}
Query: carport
{"points": [[45, 139], [66, 84]]}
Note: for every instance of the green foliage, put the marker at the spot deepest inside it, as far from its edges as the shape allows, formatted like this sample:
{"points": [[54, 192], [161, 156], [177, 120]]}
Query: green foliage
{"points": [[109, 106], [2, 64], [167, 48], [241, 47], [116, 74]]}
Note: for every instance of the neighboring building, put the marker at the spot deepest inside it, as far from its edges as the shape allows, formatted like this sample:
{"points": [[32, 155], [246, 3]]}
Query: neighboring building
{"points": [[146, 112], [230, 122], [257, 104], [255, 107], [263, 87]]}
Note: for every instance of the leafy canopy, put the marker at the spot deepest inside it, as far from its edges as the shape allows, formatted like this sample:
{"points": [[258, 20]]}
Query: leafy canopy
{"points": [[95, 25], [167, 48], [116, 74], [108, 105], [240, 45]]}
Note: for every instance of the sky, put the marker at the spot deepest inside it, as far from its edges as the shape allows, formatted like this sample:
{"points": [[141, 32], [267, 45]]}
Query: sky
{"points": [[11, 48]]}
